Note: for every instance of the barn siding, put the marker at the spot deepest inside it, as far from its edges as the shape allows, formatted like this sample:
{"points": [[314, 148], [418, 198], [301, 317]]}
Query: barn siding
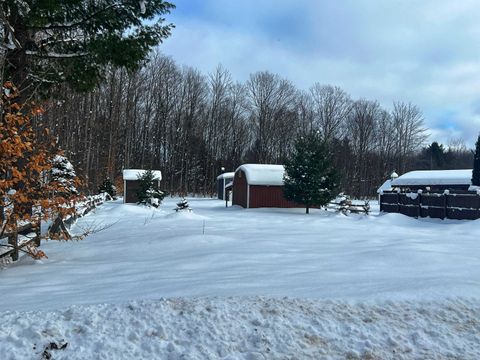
{"points": [[269, 196], [260, 195], [131, 187], [240, 189]]}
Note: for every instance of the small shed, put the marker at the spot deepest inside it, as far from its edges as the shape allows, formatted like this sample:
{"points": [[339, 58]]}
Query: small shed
{"points": [[222, 181], [260, 185], [387, 185], [131, 183], [434, 180]]}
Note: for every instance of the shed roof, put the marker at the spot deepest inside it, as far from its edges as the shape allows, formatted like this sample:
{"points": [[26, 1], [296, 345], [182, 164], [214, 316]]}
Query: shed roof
{"points": [[227, 175], [134, 174], [434, 177], [263, 174], [386, 186]]}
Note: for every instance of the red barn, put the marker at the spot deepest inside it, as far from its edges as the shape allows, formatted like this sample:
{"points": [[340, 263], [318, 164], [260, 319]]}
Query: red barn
{"points": [[131, 183], [258, 185]]}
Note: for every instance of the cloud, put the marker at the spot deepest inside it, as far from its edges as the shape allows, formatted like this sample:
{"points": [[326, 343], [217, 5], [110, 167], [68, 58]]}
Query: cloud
{"points": [[424, 52]]}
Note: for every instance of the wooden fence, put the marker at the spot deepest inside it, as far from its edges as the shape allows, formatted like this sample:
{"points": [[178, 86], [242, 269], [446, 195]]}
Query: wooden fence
{"points": [[26, 234], [30, 233], [347, 206], [459, 205]]}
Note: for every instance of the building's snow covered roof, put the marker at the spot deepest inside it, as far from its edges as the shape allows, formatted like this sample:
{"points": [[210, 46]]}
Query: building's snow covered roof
{"points": [[134, 174], [434, 177], [386, 186], [227, 175], [263, 174]]}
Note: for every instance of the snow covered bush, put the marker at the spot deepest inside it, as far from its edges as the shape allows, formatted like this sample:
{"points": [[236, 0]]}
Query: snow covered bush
{"points": [[108, 187], [149, 192], [63, 174], [183, 206]]}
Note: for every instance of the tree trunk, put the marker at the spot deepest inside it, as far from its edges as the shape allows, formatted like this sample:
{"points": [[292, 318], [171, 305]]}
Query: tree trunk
{"points": [[16, 62]]}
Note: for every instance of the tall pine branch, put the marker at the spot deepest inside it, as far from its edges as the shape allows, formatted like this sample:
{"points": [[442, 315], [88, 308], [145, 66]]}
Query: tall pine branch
{"points": [[310, 177]]}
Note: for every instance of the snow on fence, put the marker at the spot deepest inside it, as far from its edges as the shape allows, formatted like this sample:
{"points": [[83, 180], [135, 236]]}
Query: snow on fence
{"points": [[26, 234], [29, 233], [459, 205], [82, 208], [347, 206]]}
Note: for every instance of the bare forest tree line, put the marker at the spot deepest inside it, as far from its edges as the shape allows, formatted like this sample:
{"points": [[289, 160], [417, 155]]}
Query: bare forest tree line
{"points": [[190, 125]]}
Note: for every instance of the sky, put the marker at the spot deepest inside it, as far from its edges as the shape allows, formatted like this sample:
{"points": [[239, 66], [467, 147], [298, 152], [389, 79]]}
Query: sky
{"points": [[426, 52]]}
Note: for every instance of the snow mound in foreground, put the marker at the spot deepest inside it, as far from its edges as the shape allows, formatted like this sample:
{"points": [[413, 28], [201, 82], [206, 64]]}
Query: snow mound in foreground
{"points": [[247, 328]]}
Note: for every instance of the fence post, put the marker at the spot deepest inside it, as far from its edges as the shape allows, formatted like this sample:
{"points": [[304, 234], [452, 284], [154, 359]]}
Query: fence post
{"points": [[13, 240], [445, 203], [419, 192], [477, 215], [36, 228]]}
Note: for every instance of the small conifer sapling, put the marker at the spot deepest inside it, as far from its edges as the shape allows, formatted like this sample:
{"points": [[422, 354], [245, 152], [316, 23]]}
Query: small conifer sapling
{"points": [[183, 206], [107, 187], [149, 192]]}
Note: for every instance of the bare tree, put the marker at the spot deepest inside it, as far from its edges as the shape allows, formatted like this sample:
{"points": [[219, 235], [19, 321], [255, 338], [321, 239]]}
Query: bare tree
{"points": [[305, 112], [271, 97], [385, 144], [189, 125], [410, 133], [361, 125], [332, 106]]}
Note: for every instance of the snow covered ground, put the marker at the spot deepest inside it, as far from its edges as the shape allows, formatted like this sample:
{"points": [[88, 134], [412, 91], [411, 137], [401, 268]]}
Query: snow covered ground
{"points": [[366, 287], [247, 328]]}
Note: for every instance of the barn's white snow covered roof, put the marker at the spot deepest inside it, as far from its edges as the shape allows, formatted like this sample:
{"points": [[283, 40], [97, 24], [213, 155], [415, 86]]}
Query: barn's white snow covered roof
{"points": [[386, 186], [133, 174], [434, 177], [227, 175], [263, 174]]}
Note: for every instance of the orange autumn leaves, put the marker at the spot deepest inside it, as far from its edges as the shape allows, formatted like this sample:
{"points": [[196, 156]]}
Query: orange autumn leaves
{"points": [[26, 190]]}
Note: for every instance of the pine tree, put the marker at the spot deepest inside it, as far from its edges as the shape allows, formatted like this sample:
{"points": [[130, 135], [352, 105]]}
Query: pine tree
{"points": [[108, 187], [310, 177], [148, 192], [75, 41], [476, 164], [183, 205], [64, 175]]}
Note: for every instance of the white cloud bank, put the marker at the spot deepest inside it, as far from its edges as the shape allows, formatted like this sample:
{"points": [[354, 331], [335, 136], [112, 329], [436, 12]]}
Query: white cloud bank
{"points": [[425, 52]]}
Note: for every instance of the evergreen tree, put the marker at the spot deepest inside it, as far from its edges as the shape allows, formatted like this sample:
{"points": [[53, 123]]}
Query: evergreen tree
{"points": [[108, 187], [148, 192], [73, 42], [476, 164], [183, 205], [64, 175], [310, 177], [437, 155]]}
